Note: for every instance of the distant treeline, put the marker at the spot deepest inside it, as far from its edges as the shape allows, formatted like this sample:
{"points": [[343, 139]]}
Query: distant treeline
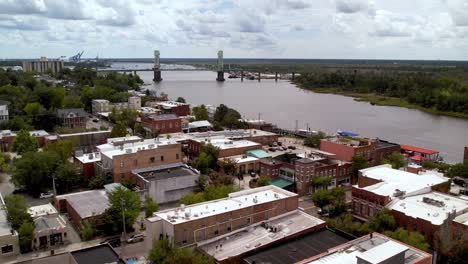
{"points": [[447, 91]]}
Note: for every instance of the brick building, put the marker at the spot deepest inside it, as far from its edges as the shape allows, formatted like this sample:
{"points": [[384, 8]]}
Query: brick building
{"points": [[300, 170], [425, 213], [72, 117], [465, 155], [172, 107], [86, 141], [373, 248], [382, 150], [378, 186], [190, 225], [227, 147], [162, 123], [345, 148], [86, 163], [6, 139], [122, 155]]}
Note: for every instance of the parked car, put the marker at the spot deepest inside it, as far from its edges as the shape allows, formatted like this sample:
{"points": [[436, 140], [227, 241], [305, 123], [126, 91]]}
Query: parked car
{"points": [[253, 174], [272, 149], [95, 120], [291, 147], [19, 190], [279, 143], [284, 148], [136, 238], [46, 195], [113, 241]]}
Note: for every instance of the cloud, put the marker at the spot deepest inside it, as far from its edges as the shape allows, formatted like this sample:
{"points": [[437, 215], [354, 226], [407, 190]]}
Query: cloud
{"points": [[69, 9], [250, 23], [351, 6], [22, 23], [459, 11], [116, 13], [22, 7]]}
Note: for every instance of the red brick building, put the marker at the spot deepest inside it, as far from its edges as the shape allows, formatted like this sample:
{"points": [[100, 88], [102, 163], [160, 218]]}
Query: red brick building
{"points": [[86, 163], [72, 117], [378, 186], [345, 148], [162, 124], [176, 108], [227, 147]]}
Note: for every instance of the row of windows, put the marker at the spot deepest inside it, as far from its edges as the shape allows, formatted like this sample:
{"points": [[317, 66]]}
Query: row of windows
{"points": [[163, 125], [364, 209], [151, 160]]}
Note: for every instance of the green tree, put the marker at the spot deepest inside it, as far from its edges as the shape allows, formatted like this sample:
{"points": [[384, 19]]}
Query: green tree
{"points": [[34, 170], [62, 148], [414, 239], [119, 130], [164, 252], [263, 181], [19, 123], [72, 101], [202, 163], [17, 210], [24, 142], [32, 109], [26, 235], [383, 221], [314, 140], [321, 182], [460, 170], [87, 231], [150, 206], [180, 100], [396, 160], [202, 182], [200, 112], [126, 202], [192, 198], [97, 182], [66, 176], [4, 163], [359, 163], [322, 198]]}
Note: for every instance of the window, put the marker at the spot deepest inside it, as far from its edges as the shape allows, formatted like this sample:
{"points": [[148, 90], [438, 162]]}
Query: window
{"points": [[152, 159], [249, 220], [176, 124], [356, 208], [162, 158], [371, 211], [229, 228], [7, 249], [163, 125], [216, 232], [121, 164], [170, 124], [122, 175], [135, 162], [177, 155], [364, 209]]}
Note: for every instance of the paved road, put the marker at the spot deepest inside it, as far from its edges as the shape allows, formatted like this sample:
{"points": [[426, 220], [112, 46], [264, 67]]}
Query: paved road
{"points": [[132, 250], [6, 187]]}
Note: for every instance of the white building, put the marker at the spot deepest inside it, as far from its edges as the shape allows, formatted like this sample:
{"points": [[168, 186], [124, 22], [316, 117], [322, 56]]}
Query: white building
{"points": [[134, 102], [100, 105], [4, 116], [9, 243], [50, 228]]}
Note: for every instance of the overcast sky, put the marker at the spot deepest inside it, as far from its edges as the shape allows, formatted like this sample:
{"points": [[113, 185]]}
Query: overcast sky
{"points": [[379, 29]]}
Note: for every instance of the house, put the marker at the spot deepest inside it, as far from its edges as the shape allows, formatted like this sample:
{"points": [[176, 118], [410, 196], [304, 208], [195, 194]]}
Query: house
{"points": [[172, 107], [9, 242], [100, 106], [167, 183], [51, 229], [72, 117], [4, 116], [86, 162]]}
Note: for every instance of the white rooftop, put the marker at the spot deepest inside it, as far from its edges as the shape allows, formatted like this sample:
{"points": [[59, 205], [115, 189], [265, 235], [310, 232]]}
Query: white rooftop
{"points": [[239, 159], [42, 210], [224, 143], [7, 133], [234, 201], [407, 182], [87, 203], [111, 150], [38, 133], [462, 219], [84, 133], [170, 104], [5, 227], [197, 124], [89, 157], [122, 139], [383, 252], [433, 206]]}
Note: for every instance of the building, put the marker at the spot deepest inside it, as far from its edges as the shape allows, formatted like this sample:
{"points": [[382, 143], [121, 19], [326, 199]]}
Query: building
{"points": [[418, 155], [4, 116], [378, 186], [82, 206], [371, 249], [172, 107], [40, 136], [86, 162], [134, 102], [229, 228], [122, 155], [425, 213], [199, 126], [6, 139], [100, 106], [465, 155], [162, 124], [382, 150], [79, 253], [296, 172], [50, 228], [43, 65], [294, 250], [9, 243], [167, 183], [72, 117], [345, 148], [227, 147], [86, 141]]}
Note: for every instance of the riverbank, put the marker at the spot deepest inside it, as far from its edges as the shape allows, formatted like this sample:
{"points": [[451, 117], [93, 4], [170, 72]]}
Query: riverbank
{"points": [[383, 101]]}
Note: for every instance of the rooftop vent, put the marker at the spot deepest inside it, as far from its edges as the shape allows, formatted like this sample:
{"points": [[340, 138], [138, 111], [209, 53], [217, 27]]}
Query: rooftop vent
{"points": [[433, 202], [128, 151], [398, 193]]}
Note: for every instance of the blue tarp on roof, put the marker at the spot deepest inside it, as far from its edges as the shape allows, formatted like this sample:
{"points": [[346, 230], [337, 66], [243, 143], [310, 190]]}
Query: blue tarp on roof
{"points": [[347, 134]]}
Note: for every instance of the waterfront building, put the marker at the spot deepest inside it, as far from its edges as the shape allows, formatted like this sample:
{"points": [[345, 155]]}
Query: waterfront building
{"points": [[162, 123], [43, 65]]}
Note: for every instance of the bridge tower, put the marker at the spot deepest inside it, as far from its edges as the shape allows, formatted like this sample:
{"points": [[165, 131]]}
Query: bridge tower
{"points": [[220, 67], [157, 67]]}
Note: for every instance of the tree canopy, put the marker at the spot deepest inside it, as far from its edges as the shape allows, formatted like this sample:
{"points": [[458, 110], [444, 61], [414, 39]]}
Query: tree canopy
{"points": [[24, 142], [164, 252], [396, 160], [119, 130], [200, 112], [126, 202]]}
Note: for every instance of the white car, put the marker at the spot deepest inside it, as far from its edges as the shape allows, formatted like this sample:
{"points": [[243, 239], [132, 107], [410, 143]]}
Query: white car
{"points": [[46, 195], [136, 238]]}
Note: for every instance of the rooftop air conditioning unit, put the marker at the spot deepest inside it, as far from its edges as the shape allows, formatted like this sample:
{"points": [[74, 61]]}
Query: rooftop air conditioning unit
{"points": [[128, 151]]}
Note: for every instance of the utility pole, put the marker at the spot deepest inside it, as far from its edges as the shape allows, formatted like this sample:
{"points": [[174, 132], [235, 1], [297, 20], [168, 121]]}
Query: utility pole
{"points": [[123, 217], [53, 186]]}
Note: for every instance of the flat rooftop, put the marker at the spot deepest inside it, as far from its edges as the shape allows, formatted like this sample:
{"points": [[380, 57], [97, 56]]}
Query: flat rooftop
{"points": [[112, 149], [165, 171], [87, 203], [89, 157], [432, 207], [85, 133], [100, 254], [162, 117], [250, 238], [47, 223], [462, 219], [240, 159], [234, 201], [38, 133], [373, 249], [298, 249], [393, 180], [5, 228], [170, 104], [42, 210], [231, 134], [223, 143]]}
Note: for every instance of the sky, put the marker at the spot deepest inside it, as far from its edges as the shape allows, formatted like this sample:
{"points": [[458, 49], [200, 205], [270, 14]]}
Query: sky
{"points": [[313, 29]]}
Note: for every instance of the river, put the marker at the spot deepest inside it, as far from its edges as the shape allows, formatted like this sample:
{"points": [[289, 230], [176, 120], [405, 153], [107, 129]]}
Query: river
{"points": [[282, 103]]}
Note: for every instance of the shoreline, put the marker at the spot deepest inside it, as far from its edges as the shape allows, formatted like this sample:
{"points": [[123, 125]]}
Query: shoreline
{"points": [[381, 100]]}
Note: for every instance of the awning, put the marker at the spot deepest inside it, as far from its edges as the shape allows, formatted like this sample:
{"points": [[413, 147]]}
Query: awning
{"points": [[347, 134], [418, 158], [258, 153], [281, 183], [418, 150]]}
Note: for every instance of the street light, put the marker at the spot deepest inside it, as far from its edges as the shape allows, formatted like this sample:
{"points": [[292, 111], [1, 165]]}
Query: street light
{"points": [[123, 218]]}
